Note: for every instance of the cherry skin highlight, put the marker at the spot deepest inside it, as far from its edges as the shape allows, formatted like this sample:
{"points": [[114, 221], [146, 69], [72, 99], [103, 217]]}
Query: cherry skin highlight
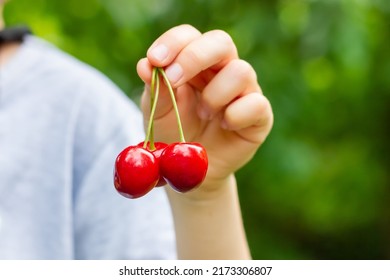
{"points": [[184, 165], [160, 146], [136, 172]]}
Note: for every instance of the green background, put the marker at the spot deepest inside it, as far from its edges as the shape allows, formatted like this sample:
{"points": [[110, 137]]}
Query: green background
{"points": [[319, 186]]}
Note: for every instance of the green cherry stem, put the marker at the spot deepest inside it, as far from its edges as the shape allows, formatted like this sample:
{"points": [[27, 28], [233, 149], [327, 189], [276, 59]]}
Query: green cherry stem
{"points": [[162, 72], [154, 91]]}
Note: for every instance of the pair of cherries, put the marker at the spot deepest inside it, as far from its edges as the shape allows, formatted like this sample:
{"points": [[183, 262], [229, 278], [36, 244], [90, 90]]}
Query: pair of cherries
{"points": [[140, 168]]}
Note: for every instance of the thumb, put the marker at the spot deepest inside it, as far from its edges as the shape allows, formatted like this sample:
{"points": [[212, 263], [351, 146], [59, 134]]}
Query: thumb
{"points": [[164, 105], [165, 117]]}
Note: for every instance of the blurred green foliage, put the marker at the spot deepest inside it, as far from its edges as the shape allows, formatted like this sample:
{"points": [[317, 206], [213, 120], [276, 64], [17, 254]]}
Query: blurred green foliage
{"points": [[319, 187]]}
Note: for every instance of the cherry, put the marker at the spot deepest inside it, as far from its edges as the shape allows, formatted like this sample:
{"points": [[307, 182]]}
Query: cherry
{"points": [[136, 172], [184, 165], [138, 169], [159, 148]]}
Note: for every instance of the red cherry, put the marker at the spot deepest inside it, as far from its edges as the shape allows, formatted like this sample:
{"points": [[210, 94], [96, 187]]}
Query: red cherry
{"points": [[184, 165], [136, 172], [160, 146]]}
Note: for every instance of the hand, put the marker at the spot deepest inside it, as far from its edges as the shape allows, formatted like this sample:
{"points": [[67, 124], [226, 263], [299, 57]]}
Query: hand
{"points": [[220, 101]]}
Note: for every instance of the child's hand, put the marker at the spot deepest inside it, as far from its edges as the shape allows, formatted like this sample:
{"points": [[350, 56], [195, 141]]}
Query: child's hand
{"points": [[220, 101]]}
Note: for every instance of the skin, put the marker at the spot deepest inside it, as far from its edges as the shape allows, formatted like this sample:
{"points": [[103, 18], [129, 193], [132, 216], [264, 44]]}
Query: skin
{"points": [[6, 50], [223, 108]]}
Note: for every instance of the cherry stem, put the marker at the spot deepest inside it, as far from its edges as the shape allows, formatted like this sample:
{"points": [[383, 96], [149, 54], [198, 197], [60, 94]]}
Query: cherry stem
{"points": [[154, 91], [162, 72]]}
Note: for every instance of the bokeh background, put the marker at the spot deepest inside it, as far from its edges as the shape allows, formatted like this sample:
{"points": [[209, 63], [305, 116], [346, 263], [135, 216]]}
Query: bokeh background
{"points": [[319, 187]]}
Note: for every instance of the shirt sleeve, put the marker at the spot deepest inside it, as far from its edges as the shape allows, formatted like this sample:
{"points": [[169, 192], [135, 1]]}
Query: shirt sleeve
{"points": [[106, 224]]}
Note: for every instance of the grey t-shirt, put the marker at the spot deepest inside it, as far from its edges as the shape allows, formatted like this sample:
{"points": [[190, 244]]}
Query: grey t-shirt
{"points": [[62, 125]]}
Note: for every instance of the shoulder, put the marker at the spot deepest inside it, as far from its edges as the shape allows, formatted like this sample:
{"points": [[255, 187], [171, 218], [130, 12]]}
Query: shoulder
{"points": [[65, 70], [54, 60], [93, 105], [78, 84]]}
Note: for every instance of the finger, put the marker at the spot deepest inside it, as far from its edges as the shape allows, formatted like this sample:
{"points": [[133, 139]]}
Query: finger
{"points": [[250, 116], [164, 50], [164, 105], [144, 70], [161, 53], [213, 49], [237, 78]]}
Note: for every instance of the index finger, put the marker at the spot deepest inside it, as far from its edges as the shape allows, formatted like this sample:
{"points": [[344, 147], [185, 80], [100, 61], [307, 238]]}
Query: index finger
{"points": [[165, 49], [211, 52]]}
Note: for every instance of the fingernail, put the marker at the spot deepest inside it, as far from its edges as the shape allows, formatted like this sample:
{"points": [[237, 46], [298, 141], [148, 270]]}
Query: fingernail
{"points": [[159, 52], [174, 72]]}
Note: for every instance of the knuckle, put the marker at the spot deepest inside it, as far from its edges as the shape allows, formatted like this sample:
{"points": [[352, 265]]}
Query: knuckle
{"points": [[264, 109], [224, 41], [229, 117], [222, 36], [243, 70], [194, 55], [187, 26], [188, 29]]}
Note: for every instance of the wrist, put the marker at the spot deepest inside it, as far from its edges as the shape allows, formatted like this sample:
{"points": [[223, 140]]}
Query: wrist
{"points": [[209, 191]]}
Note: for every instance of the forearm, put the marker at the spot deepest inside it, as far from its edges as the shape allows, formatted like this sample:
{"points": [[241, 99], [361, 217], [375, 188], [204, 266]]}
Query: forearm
{"points": [[212, 227]]}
